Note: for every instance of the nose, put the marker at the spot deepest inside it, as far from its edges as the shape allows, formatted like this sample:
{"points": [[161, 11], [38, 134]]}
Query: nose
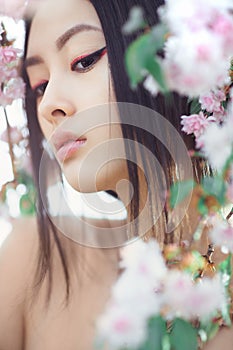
{"points": [[56, 102]]}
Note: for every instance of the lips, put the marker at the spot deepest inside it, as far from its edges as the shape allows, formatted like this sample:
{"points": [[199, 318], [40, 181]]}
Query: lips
{"points": [[66, 143]]}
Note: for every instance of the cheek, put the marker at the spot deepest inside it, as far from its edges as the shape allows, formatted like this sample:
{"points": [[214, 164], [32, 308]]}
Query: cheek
{"points": [[101, 164], [46, 127], [94, 87]]}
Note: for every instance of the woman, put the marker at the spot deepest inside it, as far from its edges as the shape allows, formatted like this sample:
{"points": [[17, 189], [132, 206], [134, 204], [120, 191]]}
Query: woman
{"points": [[74, 62]]}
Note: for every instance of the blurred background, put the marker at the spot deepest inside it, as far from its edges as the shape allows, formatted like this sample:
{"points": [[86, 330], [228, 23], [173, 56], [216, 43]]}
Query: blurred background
{"points": [[16, 185]]}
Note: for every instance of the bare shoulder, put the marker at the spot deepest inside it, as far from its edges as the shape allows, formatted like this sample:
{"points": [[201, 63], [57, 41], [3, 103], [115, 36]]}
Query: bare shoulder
{"points": [[17, 257]]}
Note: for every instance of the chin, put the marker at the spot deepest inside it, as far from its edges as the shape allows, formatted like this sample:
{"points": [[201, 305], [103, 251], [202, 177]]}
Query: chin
{"points": [[90, 178]]}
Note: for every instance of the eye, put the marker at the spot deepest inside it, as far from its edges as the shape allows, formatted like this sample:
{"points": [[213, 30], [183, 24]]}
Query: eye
{"points": [[85, 63], [39, 89]]}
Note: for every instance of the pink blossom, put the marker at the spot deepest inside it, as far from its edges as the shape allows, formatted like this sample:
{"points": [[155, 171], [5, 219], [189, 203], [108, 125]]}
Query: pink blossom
{"points": [[12, 90], [194, 15], [144, 259], [195, 62], [194, 123], [16, 135], [206, 298], [8, 54], [141, 289], [15, 88], [220, 115], [198, 49], [223, 26], [190, 300], [12, 86], [211, 101], [119, 326], [7, 73], [176, 289], [182, 15]]}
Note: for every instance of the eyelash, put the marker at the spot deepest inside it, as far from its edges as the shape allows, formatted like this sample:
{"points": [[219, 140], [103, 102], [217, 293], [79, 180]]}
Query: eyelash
{"points": [[91, 60], [93, 57]]}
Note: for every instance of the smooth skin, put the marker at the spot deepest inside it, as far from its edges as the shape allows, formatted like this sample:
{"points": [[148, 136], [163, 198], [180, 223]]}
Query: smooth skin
{"points": [[66, 84]]}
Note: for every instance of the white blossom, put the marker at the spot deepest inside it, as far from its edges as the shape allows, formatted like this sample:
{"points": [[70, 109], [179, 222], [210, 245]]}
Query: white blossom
{"points": [[192, 15], [118, 327], [143, 297], [176, 291], [151, 85], [187, 299], [222, 234], [194, 63], [207, 297], [144, 259], [217, 144]]}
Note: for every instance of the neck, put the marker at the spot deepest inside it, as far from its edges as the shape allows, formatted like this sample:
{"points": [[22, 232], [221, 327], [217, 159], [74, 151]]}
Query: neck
{"points": [[125, 192]]}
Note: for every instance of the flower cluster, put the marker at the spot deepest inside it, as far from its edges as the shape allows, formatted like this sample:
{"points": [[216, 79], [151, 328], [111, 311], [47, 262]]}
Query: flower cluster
{"points": [[12, 86], [200, 44], [196, 41], [161, 297], [11, 89], [147, 287], [211, 126]]}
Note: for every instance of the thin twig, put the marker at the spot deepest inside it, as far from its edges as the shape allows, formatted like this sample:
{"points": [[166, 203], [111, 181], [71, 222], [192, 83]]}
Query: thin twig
{"points": [[230, 214]]}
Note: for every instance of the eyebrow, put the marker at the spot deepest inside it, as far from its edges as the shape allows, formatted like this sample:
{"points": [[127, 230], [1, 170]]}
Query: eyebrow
{"points": [[61, 41]]}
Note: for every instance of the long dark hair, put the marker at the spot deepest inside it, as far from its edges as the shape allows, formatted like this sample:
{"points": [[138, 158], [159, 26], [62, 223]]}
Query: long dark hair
{"points": [[113, 14]]}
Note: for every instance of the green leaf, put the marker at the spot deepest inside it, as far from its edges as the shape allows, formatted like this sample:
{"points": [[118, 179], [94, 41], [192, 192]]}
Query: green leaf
{"points": [[183, 336], [208, 330], [24, 178], [215, 186], [224, 104], [154, 67], [159, 33], [226, 314], [225, 270], [212, 330], [179, 191], [156, 332], [195, 106], [201, 206], [197, 264], [166, 345], [135, 21], [27, 203], [228, 163], [141, 53]]}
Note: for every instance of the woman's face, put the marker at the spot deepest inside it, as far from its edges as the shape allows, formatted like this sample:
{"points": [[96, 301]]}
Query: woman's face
{"points": [[67, 65]]}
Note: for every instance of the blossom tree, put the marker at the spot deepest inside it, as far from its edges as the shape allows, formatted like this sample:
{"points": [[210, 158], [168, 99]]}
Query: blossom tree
{"points": [[12, 88], [177, 298]]}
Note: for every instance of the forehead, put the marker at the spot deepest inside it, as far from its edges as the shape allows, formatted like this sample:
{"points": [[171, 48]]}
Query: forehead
{"points": [[52, 18]]}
